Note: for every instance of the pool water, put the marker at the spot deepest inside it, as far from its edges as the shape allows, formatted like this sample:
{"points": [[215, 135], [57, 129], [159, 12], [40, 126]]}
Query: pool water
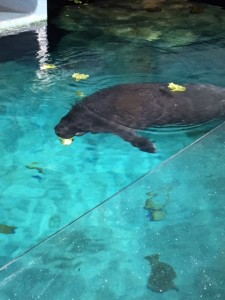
{"points": [[102, 255], [44, 185]]}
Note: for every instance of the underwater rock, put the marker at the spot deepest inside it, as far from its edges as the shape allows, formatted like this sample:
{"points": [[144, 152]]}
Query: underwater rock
{"points": [[6, 229], [158, 215], [176, 26], [155, 207], [219, 3], [152, 5], [155, 210], [197, 9], [162, 275], [152, 205]]}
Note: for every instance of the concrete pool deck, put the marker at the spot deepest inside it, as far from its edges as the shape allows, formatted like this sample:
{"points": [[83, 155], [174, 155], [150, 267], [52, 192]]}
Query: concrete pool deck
{"points": [[15, 18]]}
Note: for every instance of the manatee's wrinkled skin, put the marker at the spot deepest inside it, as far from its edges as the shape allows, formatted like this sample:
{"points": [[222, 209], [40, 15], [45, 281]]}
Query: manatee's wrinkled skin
{"points": [[125, 108]]}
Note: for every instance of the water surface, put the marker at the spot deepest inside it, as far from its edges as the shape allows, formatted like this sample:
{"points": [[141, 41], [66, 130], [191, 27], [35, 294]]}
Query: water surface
{"points": [[45, 185]]}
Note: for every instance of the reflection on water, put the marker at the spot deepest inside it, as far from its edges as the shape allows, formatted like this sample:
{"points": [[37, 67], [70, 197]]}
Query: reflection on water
{"points": [[112, 44]]}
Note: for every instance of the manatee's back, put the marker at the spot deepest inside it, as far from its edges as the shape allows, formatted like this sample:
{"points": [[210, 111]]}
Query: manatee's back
{"points": [[146, 104]]}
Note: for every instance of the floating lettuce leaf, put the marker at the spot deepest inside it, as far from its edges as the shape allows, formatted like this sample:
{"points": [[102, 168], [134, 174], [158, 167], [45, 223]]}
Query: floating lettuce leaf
{"points": [[47, 67], [80, 94], [66, 142], [176, 87], [79, 76]]}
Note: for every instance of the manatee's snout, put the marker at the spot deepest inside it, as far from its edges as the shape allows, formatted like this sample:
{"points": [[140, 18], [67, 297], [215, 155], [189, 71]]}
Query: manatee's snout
{"points": [[63, 131], [65, 137], [66, 134], [58, 130]]}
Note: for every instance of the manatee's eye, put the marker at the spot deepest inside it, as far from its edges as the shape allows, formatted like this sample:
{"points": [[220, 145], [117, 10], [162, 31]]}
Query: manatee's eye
{"points": [[79, 133]]}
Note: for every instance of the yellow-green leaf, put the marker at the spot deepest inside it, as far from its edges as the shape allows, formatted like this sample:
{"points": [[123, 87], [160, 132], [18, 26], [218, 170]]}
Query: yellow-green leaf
{"points": [[176, 87]]}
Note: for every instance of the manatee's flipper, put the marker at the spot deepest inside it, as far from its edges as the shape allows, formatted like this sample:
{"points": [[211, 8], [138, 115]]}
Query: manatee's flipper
{"points": [[136, 140], [143, 144]]}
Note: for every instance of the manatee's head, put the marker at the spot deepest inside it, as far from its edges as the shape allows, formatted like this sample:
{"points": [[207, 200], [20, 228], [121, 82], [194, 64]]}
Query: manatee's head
{"points": [[67, 128]]}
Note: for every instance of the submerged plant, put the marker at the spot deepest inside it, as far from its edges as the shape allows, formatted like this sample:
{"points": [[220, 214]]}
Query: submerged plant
{"points": [[6, 229], [34, 166]]}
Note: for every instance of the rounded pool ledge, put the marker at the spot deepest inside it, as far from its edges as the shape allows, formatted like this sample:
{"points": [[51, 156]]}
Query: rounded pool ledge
{"points": [[17, 16]]}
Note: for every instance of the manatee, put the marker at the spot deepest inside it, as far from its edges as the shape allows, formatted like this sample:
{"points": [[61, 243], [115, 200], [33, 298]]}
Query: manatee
{"points": [[126, 108], [162, 275]]}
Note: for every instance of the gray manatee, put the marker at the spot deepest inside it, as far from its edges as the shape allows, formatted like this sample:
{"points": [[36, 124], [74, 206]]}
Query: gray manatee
{"points": [[124, 109]]}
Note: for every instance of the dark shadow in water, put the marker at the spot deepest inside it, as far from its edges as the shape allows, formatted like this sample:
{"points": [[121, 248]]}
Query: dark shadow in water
{"points": [[54, 35], [19, 45], [24, 44]]}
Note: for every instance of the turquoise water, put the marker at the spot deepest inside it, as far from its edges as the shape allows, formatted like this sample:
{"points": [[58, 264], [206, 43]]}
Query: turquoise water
{"points": [[102, 255], [45, 185]]}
